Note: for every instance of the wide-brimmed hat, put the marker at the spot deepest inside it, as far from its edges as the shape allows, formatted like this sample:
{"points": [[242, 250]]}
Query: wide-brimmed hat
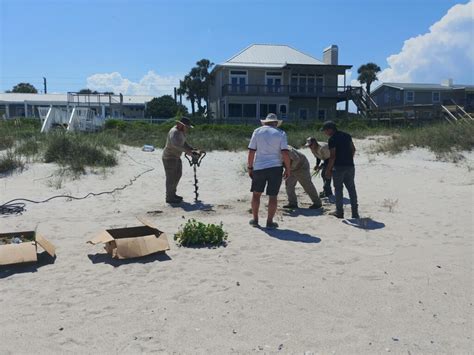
{"points": [[186, 121], [329, 125], [310, 141], [271, 117]]}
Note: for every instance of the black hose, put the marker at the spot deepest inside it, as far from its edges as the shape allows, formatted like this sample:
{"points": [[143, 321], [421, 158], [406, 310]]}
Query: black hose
{"points": [[15, 207]]}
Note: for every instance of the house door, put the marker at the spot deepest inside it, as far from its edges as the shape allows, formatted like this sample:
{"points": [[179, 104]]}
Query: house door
{"points": [[282, 111]]}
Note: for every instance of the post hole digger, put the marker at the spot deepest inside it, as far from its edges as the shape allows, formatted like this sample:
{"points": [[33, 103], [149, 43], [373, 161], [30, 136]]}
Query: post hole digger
{"points": [[195, 161]]}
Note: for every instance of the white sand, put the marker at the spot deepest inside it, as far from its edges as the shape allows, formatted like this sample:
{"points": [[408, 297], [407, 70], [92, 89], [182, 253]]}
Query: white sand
{"points": [[316, 285]]}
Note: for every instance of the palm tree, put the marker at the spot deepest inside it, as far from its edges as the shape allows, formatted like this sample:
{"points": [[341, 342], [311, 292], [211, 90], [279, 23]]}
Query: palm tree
{"points": [[187, 88], [368, 74]]}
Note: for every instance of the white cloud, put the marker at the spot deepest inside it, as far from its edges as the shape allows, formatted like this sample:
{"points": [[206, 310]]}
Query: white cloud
{"points": [[150, 84], [446, 51]]}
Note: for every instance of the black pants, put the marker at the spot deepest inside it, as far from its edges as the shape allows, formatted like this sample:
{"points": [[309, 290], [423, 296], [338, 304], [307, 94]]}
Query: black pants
{"points": [[326, 182]]}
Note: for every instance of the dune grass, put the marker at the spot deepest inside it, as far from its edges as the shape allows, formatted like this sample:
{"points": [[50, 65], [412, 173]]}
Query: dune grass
{"points": [[442, 139], [76, 151], [10, 161]]}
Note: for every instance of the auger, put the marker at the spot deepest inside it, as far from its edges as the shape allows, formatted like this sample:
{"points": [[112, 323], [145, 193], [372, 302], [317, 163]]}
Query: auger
{"points": [[195, 161]]}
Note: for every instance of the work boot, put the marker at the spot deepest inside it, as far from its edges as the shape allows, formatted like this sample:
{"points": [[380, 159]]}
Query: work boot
{"points": [[355, 215], [315, 206], [337, 214], [272, 225], [254, 223], [173, 200], [291, 206], [178, 197]]}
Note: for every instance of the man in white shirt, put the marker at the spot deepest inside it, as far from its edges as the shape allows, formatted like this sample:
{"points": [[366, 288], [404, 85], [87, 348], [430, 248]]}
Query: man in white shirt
{"points": [[268, 153]]}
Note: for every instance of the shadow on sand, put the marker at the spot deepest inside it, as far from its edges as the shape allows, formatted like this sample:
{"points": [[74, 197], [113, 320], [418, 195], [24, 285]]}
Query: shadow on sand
{"points": [[104, 258], [196, 206], [364, 223], [307, 212], [291, 235], [332, 199], [9, 270]]}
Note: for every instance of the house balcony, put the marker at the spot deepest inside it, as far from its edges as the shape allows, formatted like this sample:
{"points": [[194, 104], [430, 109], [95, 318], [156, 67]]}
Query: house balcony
{"points": [[297, 91]]}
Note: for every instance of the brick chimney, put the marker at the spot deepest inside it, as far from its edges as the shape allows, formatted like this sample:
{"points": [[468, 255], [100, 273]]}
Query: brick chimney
{"points": [[330, 55], [447, 82]]}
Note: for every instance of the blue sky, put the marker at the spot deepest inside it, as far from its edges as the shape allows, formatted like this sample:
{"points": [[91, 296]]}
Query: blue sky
{"points": [[146, 46]]}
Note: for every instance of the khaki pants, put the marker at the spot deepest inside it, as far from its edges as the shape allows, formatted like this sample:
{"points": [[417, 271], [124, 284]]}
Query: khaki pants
{"points": [[302, 175], [173, 171]]}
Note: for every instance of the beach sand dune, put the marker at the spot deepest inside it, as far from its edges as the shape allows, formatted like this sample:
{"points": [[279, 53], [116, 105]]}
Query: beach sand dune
{"points": [[316, 284]]}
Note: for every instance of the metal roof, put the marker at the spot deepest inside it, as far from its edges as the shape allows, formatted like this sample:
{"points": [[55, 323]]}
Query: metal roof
{"points": [[418, 86], [271, 55], [61, 99]]}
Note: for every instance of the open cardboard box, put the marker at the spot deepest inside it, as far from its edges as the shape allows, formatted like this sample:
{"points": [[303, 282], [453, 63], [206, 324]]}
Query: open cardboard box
{"points": [[132, 242], [26, 251]]}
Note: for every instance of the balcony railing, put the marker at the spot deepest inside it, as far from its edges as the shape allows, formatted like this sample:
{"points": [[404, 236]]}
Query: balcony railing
{"points": [[284, 90]]}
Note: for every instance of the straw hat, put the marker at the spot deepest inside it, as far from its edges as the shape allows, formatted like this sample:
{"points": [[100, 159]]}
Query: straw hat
{"points": [[271, 117], [186, 122]]}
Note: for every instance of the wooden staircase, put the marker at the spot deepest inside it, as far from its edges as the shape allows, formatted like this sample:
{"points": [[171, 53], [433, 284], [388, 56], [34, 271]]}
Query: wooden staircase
{"points": [[364, 103], [454, 113]]}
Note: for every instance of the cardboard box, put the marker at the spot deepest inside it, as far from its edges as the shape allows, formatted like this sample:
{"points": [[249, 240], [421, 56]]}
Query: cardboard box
{"points": [[26, 251], [132, 242]]}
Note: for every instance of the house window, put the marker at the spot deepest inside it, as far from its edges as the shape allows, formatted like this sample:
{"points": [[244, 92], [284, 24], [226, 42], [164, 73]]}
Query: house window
{"points": [[386, 97], [303, 113], [322, 114], [436, 97], [311, 84], [265, 109], [409, 96], [250, 110], [302, 83], [273, 81], [238, 81], [397, 95], [319, 83], [294, 83], [235, 110]]}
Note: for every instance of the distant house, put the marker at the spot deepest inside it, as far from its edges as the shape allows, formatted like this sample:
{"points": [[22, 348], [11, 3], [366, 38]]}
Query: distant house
{"points": [[266, 78], [103, 105], [399, 95]]}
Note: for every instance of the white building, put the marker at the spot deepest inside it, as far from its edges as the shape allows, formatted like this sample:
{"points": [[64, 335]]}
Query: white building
{"points": [[104, 105]]}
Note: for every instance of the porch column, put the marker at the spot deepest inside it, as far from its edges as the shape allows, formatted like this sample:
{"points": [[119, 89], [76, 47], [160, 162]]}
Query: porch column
{"points": [[258, 109], [347, 108], [103, 111], [317, 107], [26, 109], [7, 110]]}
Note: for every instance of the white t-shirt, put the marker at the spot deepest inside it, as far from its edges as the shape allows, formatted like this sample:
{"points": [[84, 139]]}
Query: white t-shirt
{"points": [[268, 142]]}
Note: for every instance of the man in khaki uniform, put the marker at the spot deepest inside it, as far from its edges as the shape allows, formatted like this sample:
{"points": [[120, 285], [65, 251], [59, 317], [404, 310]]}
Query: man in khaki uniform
{"points": [[322, 154], [175, 146], [300, 172]]}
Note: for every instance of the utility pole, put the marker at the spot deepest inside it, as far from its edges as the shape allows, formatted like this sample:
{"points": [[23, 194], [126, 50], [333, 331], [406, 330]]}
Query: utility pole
{"points": [[175, 99], [45, 86]]}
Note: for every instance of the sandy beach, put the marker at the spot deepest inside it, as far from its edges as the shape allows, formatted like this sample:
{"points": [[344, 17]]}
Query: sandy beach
{"points": [[315, 285]]}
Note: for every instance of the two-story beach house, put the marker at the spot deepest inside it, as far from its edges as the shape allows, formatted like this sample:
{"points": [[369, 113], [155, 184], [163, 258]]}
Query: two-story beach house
{"points": [[266, 78]]}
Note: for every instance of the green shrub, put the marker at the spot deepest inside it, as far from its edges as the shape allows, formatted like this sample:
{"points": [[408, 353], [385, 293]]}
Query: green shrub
{"points": [[195, 233], [6, 142], [9, 162], [28, 147], [78, 151]]}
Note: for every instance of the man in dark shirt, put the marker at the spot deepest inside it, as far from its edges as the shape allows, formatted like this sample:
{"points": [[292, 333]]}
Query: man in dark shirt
{"points": [[341, 167]]}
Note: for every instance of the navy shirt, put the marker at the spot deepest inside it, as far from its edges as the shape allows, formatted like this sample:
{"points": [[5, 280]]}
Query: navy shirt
{"points": [[342, 142]]}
